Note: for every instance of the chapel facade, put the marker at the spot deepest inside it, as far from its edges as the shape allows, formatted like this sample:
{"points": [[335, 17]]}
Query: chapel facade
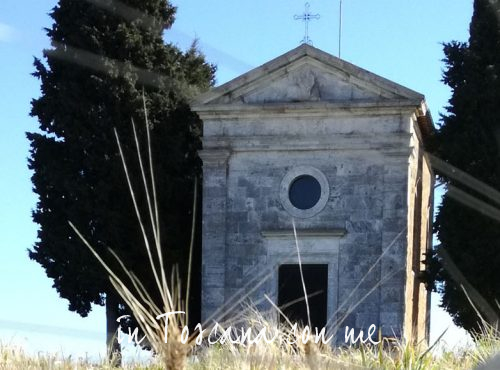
{"points": [[311, 157]]}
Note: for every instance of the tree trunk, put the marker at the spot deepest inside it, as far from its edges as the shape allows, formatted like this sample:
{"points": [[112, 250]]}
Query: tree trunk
{"points": [[112, 345]]}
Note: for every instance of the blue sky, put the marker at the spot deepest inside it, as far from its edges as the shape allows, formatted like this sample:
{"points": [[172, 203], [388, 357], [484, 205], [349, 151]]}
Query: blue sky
{"points": [[397, 39]]}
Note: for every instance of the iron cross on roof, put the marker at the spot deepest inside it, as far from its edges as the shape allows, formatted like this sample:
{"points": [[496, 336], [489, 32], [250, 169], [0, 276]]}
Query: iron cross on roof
{"points": [[306, 17]]}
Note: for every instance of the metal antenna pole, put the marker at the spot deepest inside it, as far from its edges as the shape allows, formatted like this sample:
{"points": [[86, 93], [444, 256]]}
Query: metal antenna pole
{"points": [[340, 27]]}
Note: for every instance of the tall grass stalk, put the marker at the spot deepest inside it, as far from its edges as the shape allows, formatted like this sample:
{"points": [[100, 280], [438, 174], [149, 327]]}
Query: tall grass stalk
{"points": [[169, 349]]}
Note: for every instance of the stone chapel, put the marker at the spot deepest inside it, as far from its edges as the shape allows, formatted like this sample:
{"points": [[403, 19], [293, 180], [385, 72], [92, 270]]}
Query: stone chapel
{"points": [[309, 144]]}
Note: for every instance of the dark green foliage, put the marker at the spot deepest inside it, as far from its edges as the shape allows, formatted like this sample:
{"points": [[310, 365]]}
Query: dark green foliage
{"points": [[469, 139], [93, 79]]}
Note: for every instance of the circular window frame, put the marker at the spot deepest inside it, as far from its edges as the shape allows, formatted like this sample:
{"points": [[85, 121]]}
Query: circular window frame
{"points": [[293, 175]]}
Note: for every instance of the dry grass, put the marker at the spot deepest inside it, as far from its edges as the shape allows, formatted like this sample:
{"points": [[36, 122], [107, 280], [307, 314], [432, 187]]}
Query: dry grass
{"points": [[396, 355], [280, 355]]}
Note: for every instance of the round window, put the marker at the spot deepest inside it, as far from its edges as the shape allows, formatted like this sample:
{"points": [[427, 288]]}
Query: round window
{"points": [[304, 192]]}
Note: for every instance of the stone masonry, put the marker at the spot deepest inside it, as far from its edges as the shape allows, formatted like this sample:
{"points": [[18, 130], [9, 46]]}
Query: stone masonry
{"points": [[361, 137]]}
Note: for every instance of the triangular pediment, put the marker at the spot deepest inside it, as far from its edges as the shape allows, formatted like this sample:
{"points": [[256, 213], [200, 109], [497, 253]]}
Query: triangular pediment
{"points": [[306, 74]]}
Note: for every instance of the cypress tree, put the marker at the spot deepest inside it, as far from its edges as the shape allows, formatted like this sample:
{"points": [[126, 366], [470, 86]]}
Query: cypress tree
{"points": [[106, 56], [469, 140]]}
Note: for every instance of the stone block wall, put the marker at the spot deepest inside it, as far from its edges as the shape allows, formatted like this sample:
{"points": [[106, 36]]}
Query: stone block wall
{"points": [[367, 173], [419, 239]]}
